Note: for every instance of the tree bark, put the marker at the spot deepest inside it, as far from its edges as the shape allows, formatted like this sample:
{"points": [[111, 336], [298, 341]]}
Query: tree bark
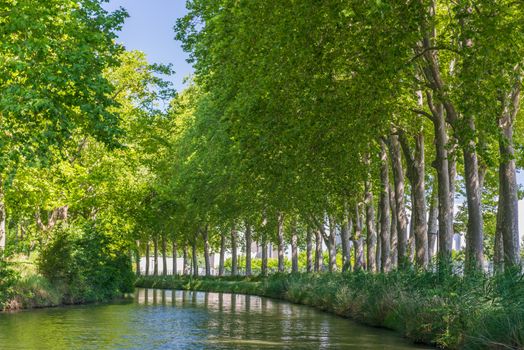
{"points": [[174, 254], [294, 247], [248, 250], [155, 256], [147, 258], [393, 235], [330, 242], [234, 252], [137, 258], [507, 216], [398, 177], [2, 220], [475, 232], [498, 250], [446, 185], [195, 257], [444, 169], [357, 240], [416, 175], [371, 237], [207, 260], [164, 255], [345, 229], [411, 233], [432, 222], [280, 238], [186, 261], [222, 254], [318, 251], [264, 254], [385, 221], [309, 249]]}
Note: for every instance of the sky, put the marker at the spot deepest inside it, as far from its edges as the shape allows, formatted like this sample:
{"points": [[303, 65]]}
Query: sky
{"points": [[149, 28]]}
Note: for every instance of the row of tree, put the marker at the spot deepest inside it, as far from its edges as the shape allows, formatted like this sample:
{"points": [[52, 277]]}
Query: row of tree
{"points": [[372, 119], [305, 121]]}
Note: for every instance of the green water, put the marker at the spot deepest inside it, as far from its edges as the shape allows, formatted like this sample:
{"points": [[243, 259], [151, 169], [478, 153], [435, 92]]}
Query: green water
{"points": [[164, 319]]}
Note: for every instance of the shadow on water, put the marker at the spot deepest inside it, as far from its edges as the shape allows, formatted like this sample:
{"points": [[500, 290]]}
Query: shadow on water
{"points": [[166, 319]]}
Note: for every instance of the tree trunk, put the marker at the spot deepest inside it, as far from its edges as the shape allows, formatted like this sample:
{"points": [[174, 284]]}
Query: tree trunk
{"points": [[411, 234], [331, 244], [332, 253], [186, 261], [234, 252], [294, 248], [318, 251], [248, 250], [402, 225], [446, 186], [164, 255], [345, 229], [264, 254], [385, 221], [416, 175], [371, 237], [280, 238], [357, 240], [378, 255], [155, 256], [2, 220], [309, 249], [432, 222], [137, 258], [444, 168], [195, 257], [147, 258], [393, 235], [222, 254], [507, 216], [498, 250], [207, 260], [174, 251], [475, 233]]}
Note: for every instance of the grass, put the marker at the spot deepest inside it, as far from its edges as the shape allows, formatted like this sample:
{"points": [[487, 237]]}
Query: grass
{"points": [[29, 289], [474, 312]]}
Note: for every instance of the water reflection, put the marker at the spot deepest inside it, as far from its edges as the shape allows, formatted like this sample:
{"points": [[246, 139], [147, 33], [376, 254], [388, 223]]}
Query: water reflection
{"points": [[166, 319], [245, 321]]}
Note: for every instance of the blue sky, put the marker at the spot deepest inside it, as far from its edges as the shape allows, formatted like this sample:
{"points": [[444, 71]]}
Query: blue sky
{"points": [[150, 29]]}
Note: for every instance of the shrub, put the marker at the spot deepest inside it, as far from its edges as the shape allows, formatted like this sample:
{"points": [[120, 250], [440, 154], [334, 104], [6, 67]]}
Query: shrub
{"points": [[8, 278], [86, 263]]}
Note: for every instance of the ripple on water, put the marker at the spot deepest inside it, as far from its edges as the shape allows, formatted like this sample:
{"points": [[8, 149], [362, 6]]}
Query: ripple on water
{"points": [[165, 319]]}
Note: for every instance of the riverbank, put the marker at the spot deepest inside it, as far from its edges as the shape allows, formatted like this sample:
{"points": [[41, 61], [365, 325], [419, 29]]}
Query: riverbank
{"points": [[24, 286], [452, 312], [36, 292]]}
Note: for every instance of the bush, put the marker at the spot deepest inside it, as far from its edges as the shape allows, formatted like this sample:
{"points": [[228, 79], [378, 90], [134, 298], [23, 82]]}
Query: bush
{"points": [[86, 263], [8, 278]]}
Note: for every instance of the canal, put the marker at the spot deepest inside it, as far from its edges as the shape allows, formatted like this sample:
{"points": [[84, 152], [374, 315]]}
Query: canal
{"points": [[165, 319]]}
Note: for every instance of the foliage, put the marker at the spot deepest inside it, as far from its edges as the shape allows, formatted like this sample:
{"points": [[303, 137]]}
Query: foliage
{"points": [[86, 263], [8, 278]]}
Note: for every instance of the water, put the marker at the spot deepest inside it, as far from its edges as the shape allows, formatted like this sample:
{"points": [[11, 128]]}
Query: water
{"points": [[164, 319]]}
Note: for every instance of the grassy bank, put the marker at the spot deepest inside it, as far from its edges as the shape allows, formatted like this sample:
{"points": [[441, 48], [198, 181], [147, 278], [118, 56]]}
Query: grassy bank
{"points": [[81, 263], [453, 312], [29, 289]]}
